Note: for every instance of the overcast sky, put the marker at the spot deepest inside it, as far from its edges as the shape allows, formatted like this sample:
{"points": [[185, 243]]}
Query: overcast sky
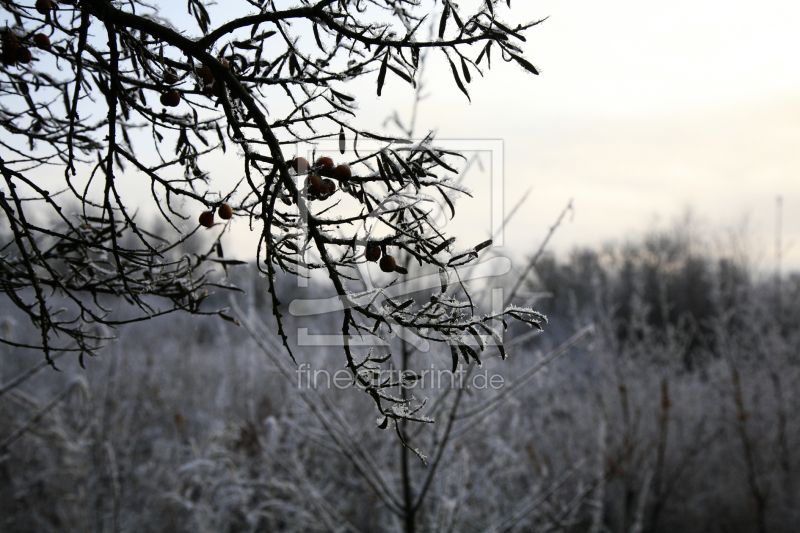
{"points": [[642, 111]]}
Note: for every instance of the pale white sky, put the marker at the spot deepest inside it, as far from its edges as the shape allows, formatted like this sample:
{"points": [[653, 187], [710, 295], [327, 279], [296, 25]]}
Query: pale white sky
{"points": [[642, 110]]}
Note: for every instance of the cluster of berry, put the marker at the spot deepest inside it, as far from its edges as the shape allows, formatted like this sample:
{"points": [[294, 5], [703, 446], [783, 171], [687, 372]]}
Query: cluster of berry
{"points": [[317, 187], [224, 211], [320, 189], [16, 52], [374, 252], [210, 86]]}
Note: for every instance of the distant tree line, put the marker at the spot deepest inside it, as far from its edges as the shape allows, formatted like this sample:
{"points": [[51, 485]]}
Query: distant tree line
{"points": [[666, 283]]}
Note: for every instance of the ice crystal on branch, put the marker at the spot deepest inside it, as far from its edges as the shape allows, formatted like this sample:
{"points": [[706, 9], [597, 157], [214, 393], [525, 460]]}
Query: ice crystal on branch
{"points": [[113, 94]]}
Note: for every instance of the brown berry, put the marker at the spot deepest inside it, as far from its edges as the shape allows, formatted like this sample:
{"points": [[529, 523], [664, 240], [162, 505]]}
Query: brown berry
{"points": [[225, 212], [170, 77], [10, 42], [325, 165], [43, 6], [9, 56], [373, 252], [171, 98], [315, 186], [342, 173], [388, 264], [206, 219], [299, 164], [205, 74], [24, 55], [216, 89], [42, 41], [328, 187]]}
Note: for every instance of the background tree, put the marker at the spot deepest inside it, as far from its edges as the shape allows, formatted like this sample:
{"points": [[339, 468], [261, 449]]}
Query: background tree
{"points": [[80, 82]]}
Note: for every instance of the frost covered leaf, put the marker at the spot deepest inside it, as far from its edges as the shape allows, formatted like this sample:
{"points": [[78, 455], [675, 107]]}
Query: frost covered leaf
{"points": [[229, 318], [454, 70], [444, 279], [443, 20], [483, 245], [382, 73], [524, 63], [311, 215]]}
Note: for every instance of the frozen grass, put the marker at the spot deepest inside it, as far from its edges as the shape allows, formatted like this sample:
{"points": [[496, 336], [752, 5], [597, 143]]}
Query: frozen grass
{"points": [[187, 424]]}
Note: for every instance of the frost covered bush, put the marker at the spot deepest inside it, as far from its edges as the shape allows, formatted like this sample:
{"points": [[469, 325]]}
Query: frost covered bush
{"points": [[243, 121], [207, 434]]}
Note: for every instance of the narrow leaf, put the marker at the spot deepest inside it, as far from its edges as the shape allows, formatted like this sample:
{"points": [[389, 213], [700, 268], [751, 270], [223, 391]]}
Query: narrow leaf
{"points": [[441, 162], [228, 318], [342, 96], [443, 245], [483, 51], [509, 31], [525, 63], [382, 73], [458, 80], [457, 19], [454, 354], [221, 138], [316, 37], [483, 245], [443, 20], [443, 279], [465, 70], [403, 75], [449, 203]]}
